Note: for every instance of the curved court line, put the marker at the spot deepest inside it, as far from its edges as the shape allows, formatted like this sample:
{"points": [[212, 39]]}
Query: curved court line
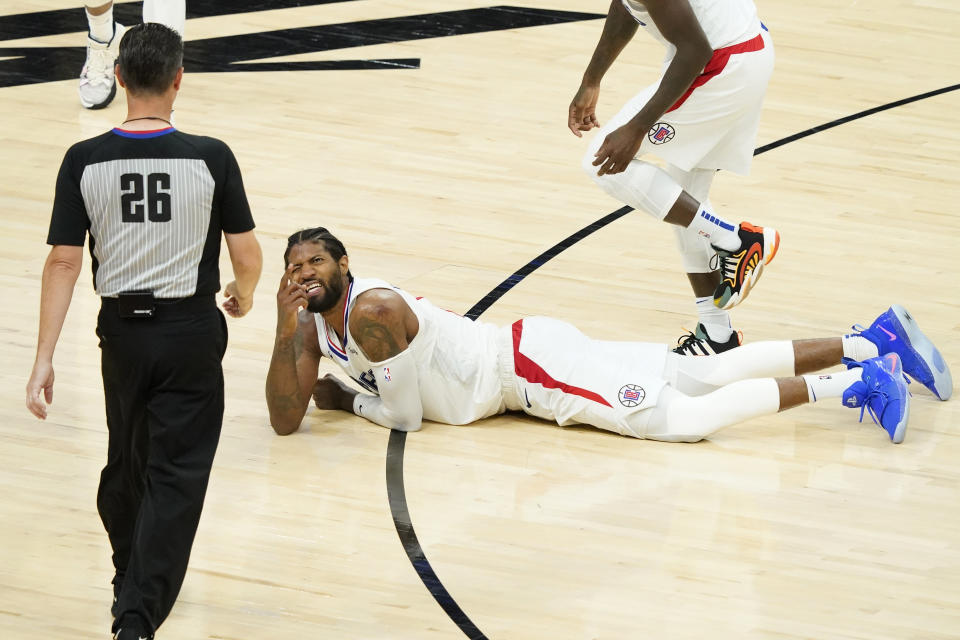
{"points": [[395, 448]]}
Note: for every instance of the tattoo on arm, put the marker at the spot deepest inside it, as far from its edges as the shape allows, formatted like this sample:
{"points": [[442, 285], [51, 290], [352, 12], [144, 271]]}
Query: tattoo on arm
{"points": [[283, 390], [297, 345], [376, 339]]}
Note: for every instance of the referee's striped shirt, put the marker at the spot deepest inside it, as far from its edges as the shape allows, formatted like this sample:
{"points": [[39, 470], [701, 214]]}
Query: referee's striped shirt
{"points": [[154, 204]]}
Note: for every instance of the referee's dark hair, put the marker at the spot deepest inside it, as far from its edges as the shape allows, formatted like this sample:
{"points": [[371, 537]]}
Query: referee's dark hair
{"points": [[150, 55], [320, 235]]}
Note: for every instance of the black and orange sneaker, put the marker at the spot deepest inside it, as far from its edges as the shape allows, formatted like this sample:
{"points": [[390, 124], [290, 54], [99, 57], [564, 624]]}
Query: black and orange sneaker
{"points": [[698, 343], [741, 269]]}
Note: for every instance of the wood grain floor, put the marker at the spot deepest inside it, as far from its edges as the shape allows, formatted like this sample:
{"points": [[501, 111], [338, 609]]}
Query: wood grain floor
{"points": [[445, 180]]}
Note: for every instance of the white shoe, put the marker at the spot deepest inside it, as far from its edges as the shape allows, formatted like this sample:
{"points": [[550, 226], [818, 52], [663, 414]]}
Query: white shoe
{"points": [[97, 84]]}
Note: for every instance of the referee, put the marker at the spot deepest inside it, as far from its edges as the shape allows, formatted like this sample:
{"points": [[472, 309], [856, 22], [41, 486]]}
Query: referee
{"points": [[154, 202]]}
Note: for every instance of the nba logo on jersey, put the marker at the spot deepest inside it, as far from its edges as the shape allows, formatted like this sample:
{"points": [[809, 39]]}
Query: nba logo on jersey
{"points": [[386, 374], [661, 132], [631, 395]]}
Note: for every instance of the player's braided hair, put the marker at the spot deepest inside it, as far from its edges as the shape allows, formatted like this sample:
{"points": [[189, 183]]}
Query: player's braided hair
{"points": [[320, 235]]}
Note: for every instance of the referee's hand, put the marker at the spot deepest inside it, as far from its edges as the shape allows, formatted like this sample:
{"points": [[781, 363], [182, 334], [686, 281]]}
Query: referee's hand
{"points": [[41, 381], [235, 305]]}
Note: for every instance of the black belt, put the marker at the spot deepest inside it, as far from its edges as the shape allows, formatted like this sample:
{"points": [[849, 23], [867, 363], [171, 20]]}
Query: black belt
{"points": [[167, 307]]}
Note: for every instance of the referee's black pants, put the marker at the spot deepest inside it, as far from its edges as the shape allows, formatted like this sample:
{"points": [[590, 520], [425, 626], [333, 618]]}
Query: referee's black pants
{"points": [[163, 390]]}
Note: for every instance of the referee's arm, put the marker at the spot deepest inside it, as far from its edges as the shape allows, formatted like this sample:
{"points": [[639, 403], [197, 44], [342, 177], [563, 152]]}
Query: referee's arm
{"points": [[60, 274], [247, 260]]}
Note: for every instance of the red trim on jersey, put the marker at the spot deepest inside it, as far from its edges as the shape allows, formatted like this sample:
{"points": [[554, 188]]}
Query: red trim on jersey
{"points": [[717, 63], [534, 373], [341, 350]]}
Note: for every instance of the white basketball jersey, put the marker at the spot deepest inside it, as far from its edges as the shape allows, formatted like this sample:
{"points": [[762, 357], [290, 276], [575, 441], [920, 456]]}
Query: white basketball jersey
{"points": [[724, 22], [457, 360]]}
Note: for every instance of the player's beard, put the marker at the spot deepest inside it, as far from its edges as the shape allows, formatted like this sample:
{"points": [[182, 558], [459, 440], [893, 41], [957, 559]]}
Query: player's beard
{"points": [[331, 295]]}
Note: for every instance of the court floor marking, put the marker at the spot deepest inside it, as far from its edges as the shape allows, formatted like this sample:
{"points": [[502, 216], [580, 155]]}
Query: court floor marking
{"points": [[396, 494]]}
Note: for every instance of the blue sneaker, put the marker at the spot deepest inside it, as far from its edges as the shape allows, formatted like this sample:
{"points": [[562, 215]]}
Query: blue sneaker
{"points": [[895, 331], [882, 390]]}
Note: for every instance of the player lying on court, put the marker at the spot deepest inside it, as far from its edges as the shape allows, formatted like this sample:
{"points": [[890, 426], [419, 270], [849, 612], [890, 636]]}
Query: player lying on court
{"points": [[417, 361]]}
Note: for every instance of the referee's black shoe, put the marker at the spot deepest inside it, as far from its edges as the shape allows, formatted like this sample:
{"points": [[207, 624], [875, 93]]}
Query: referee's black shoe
{"points": [[131, 633]]}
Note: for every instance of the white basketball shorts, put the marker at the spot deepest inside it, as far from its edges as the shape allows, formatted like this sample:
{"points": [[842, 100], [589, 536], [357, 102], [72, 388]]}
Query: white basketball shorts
{"points": [[560, 374], [714, 126]]}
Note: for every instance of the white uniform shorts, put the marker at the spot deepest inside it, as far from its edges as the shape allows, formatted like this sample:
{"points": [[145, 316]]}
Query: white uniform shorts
{"points": [[715, 127], [549, 369]]}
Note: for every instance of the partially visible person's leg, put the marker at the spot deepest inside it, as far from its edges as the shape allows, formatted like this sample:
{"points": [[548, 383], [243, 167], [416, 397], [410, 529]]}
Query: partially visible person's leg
{"points": [[172, 13], [97, 85]]}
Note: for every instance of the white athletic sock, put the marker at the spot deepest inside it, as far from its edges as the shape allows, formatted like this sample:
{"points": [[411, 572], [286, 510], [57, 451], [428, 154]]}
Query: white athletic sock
{"points": [[858, 348], [830, 385], [721, 233], [715, 320], [101, 27]]}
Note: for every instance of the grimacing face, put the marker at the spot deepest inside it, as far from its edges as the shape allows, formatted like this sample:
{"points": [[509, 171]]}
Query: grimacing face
{"points": [[322, 277]]}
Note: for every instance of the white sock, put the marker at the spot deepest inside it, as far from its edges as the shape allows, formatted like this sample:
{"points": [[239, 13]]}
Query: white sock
{"points": [[715, 320], [101, 26], [858, 348], [831, 385], [721, 233]]}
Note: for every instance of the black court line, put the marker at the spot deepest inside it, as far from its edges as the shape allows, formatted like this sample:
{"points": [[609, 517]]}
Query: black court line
{"points": [[397, 443]]}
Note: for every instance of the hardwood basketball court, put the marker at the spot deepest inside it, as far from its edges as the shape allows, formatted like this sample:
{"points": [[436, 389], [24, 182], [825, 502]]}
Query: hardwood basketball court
{"points": [[445, 165]]}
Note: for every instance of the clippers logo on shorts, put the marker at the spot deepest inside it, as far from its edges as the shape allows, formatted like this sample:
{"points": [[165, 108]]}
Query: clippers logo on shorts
{"points": [[661, 133], [631, 395]]}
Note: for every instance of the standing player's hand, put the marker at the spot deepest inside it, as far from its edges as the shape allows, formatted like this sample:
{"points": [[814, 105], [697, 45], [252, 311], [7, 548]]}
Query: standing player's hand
{"points": [[619, 148], [41, 380], [236, 305], [290, 299], [583, 110]]}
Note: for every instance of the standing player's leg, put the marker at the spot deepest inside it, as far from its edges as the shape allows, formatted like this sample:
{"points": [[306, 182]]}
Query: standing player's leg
{"points": [[743, 248], [714, 332], [97, 85]]}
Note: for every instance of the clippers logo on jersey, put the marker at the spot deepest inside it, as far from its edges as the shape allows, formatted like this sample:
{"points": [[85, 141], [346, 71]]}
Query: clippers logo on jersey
{"points": [[661, 133], [631, 395]]}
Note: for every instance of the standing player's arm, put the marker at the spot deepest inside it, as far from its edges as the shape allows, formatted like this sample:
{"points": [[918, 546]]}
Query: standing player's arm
{"points": [[247, 261], [60, 274], [618, 29], [295, 362], [382, 325], [678, 24]]}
